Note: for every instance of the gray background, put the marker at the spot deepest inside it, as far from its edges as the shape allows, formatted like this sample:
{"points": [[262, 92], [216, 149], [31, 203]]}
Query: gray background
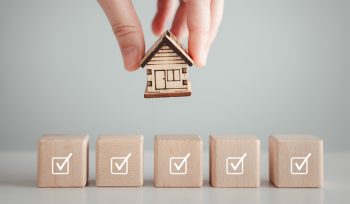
{"points": [[276, 67]]}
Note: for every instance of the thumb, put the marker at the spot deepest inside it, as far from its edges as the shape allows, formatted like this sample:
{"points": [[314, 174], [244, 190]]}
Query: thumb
{"points": [[127, 29]]}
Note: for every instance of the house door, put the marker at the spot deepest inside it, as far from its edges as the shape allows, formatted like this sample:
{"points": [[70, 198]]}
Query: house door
{"points": [[160, 81]]}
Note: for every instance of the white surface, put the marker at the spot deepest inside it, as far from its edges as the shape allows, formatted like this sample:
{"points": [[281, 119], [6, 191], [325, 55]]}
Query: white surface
{"points": [[18, 185]]}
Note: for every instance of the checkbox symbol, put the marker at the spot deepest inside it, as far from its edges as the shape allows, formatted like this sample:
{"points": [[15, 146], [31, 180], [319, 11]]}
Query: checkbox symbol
{"points": [[60, 165], [299, 165], [235, 165], [178, 165], [120, 165]]}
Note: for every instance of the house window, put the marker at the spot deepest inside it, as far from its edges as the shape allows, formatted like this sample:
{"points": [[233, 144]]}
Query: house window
{"points": [[149, 83], [149, 72], [173, 75], [184, 82], [184, 70]]}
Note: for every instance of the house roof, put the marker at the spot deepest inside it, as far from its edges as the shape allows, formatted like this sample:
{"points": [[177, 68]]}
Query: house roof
{"points": [[170, 40]]}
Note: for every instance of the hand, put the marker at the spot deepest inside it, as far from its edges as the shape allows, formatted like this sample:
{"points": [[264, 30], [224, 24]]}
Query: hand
{"points": [[199, 19]]}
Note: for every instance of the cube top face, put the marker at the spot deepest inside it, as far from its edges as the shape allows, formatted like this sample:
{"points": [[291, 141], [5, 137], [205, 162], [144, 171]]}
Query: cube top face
{"points": [[119, 160], [296, 160], [177, 137], [234, 137], [112, 138], [64, 138], [62, 161], [234, 161], [178, 161], [294, 138]]}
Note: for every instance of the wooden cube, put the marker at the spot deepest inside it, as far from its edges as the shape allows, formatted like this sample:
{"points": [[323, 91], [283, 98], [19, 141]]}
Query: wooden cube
{"points": [[63, 161], [119, 160], [178, 161], [296, 161], [234, 160]]}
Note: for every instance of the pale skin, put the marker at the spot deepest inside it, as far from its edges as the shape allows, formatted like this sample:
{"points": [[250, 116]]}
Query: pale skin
{"points": [[197, 19]]}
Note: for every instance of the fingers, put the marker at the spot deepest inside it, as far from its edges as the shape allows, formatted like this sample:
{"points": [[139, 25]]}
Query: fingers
{"points": [[203, 21], [198, 23], [179, 26], [127, 29], [166, 10], [216, 13]]}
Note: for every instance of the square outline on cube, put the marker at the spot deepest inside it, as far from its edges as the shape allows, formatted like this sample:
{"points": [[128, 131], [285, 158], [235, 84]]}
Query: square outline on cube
{"points": [[234, 173], [306, 166], [52, 166], [170, 166], [126, 166]]}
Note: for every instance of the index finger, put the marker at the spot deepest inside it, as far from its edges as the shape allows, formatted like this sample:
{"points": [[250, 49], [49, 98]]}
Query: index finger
{"points": [[198, 23]]}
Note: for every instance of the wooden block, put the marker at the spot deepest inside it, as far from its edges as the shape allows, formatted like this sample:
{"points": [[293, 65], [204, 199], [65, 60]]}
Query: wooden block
{"points": [[234, 160], [119, 160], [63, 161], [178, 161], [296, 161]]}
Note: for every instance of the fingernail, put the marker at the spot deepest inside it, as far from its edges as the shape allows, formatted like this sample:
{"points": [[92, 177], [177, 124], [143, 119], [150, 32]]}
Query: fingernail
{"points": [[130, 57]]}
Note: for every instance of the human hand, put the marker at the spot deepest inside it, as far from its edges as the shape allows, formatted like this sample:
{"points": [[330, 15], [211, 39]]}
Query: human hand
{"points": [[199, 19]]}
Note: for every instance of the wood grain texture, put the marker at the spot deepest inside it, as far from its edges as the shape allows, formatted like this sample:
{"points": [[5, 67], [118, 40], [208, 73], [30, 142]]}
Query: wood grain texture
{"points": [[111, 151], [171, 169], [62, 161], [241, 151], [296, 161], [166, 56], [166, 66], [167, 94], [167, 42]]}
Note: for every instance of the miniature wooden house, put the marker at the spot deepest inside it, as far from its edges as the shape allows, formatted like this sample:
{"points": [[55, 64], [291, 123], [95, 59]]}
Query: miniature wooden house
{"points": [[166, 64]]}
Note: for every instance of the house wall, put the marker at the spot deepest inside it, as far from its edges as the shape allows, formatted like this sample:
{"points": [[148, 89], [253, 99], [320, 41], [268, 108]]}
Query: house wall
{"points": [[170, 85], [166, 59]]}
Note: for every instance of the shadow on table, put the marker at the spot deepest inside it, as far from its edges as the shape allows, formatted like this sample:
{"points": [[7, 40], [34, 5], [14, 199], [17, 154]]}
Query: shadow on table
{"points": [[91, 183], [206, 183], [150, 183], [266, 183]]}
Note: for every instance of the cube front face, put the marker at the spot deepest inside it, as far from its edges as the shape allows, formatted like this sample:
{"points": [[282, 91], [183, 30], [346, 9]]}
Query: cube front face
{"points": [[62, 161], [234, 161], [119, 160], [178, 161], [296, 161]]}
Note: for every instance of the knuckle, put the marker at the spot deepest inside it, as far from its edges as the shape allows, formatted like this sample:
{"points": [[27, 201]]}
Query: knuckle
{"points": [[122, 30]]}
